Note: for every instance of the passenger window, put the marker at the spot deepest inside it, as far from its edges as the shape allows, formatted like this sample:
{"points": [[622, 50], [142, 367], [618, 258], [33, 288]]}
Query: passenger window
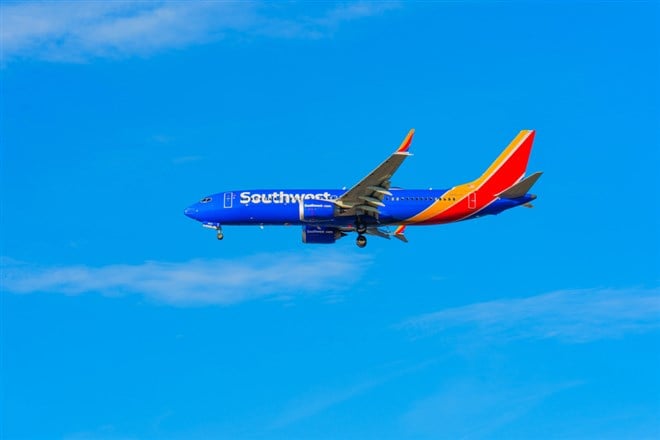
{"points": [[206, 200]]}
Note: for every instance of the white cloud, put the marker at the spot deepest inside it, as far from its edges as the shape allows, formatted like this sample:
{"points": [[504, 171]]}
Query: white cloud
{"points": [[77, 31], [568, 315], [353, 11], [197, 282]]}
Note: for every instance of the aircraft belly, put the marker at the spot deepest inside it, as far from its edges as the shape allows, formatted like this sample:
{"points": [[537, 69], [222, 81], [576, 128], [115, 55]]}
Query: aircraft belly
{"points": [[398, 214], [274, 214]]}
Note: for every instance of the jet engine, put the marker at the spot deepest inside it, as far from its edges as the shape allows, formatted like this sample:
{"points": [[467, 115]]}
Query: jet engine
{"points": [[320, 235], [313, 210]]}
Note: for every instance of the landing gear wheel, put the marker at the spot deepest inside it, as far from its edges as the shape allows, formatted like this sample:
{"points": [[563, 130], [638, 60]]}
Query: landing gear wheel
{"points": [[360, 228], [220, 235], [361, 241]]}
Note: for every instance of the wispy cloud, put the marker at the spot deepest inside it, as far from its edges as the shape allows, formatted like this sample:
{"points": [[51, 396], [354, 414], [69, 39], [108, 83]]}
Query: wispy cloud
{"points": [[77, 31], [568, 315], [186, 159], [476, 409], [197, 282], [318, 401]]}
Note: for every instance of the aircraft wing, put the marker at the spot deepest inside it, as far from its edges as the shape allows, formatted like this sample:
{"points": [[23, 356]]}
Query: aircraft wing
{"points": [[367, 195]]}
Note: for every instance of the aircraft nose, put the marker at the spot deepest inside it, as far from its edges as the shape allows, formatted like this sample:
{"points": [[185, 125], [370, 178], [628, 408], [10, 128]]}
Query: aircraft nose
{"points": [[191, 212]]}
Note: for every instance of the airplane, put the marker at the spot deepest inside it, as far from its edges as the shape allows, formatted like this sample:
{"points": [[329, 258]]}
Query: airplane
{"points": [[373, 206]]}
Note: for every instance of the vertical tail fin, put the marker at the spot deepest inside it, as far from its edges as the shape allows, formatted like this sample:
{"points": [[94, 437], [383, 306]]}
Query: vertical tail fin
{"points": [[509, 167]]}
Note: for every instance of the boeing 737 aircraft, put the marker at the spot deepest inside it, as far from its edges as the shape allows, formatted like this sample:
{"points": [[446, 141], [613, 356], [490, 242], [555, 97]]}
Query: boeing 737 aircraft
{"points": [[373, 205]]}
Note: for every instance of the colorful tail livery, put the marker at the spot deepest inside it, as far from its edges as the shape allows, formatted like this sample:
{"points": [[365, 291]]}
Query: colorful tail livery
{"points": [[373, 206]]}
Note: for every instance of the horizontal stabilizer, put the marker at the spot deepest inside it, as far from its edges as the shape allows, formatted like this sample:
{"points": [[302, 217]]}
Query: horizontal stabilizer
{"points": [[521, 188], [398, 233]]}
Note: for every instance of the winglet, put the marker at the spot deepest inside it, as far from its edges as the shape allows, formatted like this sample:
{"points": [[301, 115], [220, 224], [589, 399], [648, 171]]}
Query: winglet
{"points": [[398, 233], [406, 142]]}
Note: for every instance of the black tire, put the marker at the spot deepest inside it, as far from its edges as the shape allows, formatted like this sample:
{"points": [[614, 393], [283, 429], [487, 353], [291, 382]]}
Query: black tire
{"points": [[361, 241]]}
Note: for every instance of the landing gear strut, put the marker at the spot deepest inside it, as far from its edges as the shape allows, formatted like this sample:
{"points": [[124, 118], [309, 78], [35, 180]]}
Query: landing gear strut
{"points": [[361, 241], [219, 235], [218, 229]]}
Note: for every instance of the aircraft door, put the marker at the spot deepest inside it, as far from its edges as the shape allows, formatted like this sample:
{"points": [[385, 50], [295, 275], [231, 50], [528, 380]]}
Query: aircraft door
{"points": [[229, 198], [472, 200]]}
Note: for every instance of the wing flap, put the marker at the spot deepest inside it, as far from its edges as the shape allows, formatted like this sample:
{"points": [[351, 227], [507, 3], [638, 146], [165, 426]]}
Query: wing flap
{"points": [[373, 200]]}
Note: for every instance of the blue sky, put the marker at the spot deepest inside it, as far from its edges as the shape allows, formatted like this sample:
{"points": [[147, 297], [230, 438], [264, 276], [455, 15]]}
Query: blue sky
{"points": [[123, 319]]}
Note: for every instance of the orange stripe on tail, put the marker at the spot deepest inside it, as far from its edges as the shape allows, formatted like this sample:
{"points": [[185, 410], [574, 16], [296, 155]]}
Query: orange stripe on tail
{"points": [[504, 172]]}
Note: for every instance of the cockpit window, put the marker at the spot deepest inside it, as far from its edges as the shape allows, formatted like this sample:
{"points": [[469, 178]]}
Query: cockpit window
{"points": [[205, 200]]}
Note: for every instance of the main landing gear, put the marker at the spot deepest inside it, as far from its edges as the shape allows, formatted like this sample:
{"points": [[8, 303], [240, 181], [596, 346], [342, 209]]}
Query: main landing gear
{"points": [[360, 228]]}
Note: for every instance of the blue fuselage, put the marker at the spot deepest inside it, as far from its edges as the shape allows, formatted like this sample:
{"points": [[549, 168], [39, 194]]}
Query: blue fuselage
{"points": [[285, 207]]}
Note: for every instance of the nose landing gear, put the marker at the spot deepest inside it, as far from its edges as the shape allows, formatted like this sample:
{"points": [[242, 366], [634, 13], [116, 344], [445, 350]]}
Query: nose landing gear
{"points": [[218, 229], [361, 241]]}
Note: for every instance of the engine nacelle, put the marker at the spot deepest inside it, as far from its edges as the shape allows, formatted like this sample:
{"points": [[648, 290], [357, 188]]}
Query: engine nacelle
{"points": [[319, 235], [313, 210]]}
